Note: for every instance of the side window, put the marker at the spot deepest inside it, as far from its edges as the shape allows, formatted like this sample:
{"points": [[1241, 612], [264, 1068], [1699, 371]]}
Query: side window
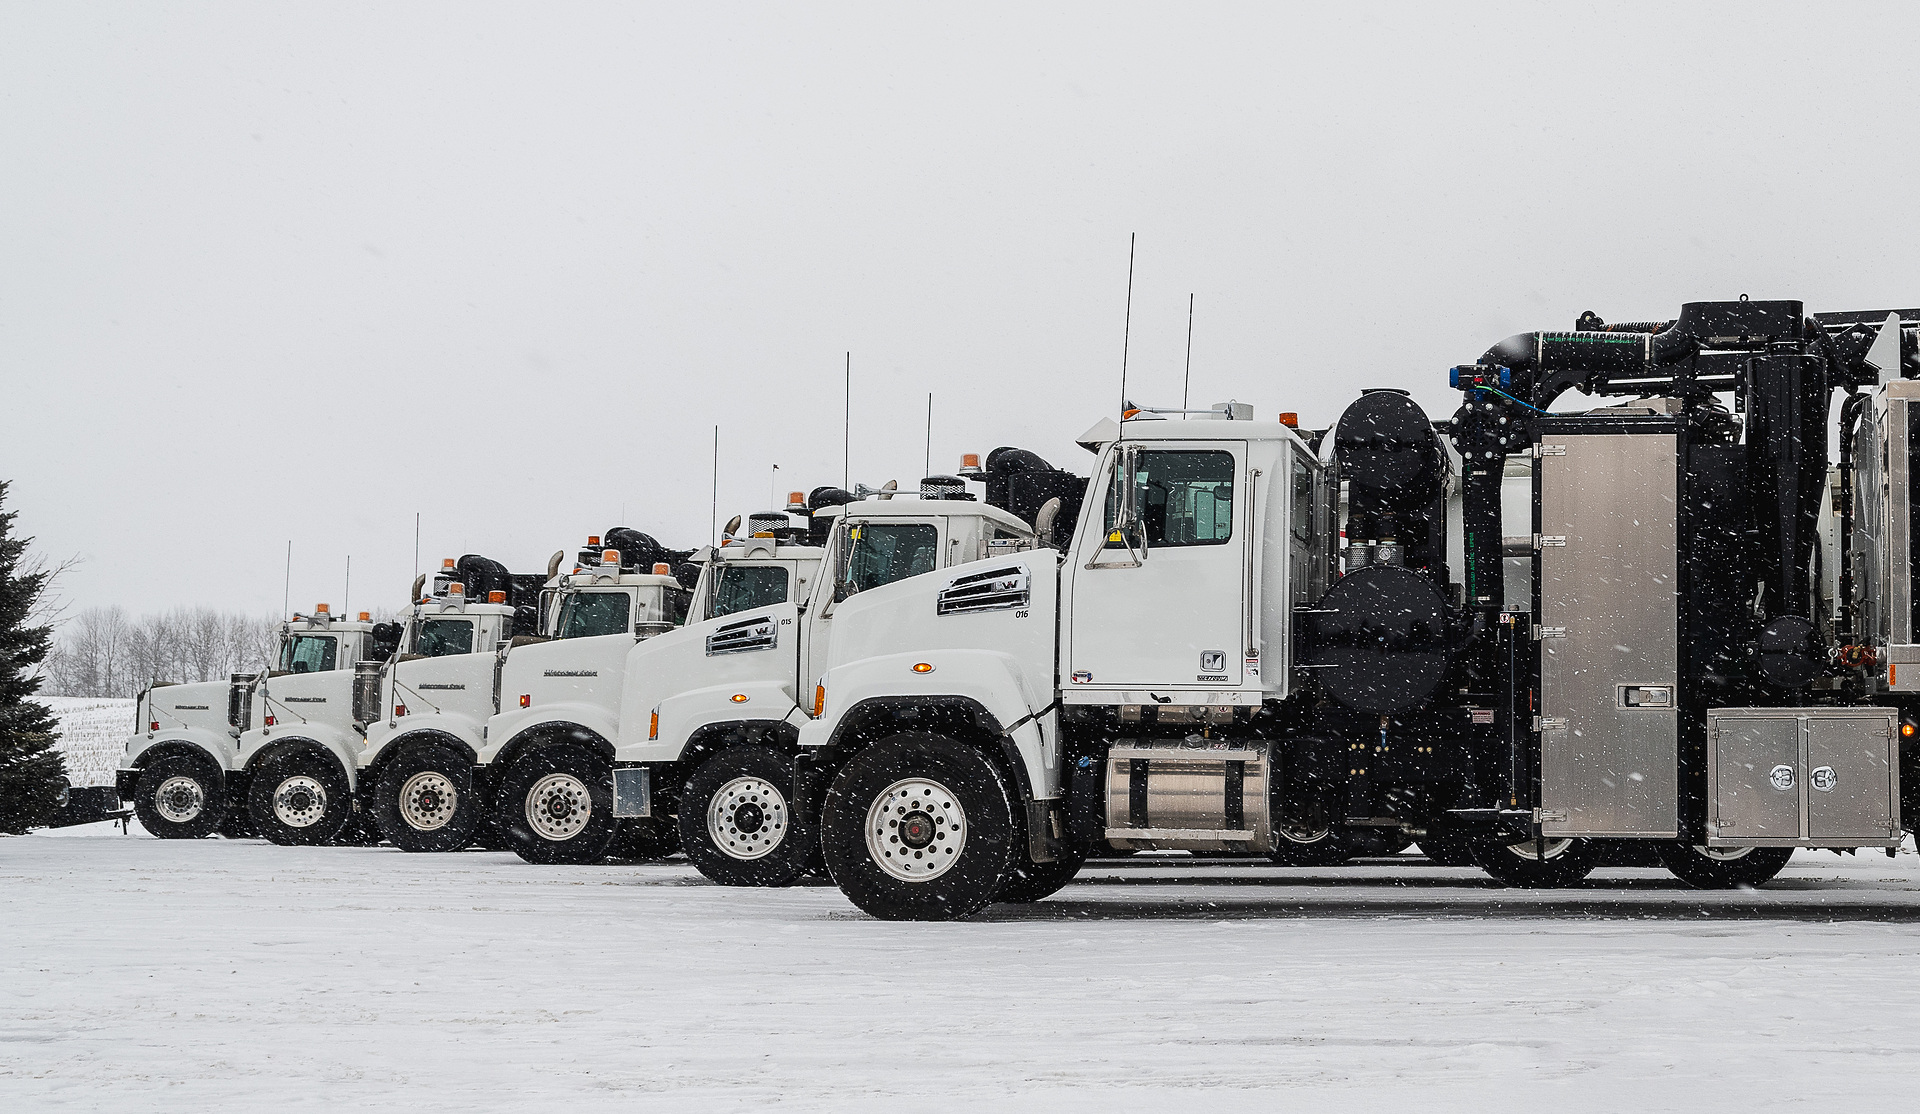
{"points": [[308, 653], [1302, 499], [1186, 497], [675, 601], [886, 552], [587, 614], [442, 637], [745, 587]]}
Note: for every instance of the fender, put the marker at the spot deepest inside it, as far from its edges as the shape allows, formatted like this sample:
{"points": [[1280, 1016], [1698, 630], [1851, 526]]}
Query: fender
{"points": [[458, 732], [382, 740], [218, 746], [509, 746], [505, 729], [344, 746], [994, 681], [684, 714]]}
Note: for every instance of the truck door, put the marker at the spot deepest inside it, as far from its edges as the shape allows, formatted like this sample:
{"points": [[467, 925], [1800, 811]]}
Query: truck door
{"points": [[1161, 606], [864, 556]]}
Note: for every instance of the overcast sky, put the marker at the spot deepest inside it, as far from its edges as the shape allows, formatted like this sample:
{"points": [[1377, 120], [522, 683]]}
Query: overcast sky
{"points": [[297, 272]]}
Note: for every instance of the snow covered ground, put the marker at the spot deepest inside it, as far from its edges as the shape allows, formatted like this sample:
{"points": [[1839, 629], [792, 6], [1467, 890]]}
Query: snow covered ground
{"points": [[137, 974], [93, 735]]}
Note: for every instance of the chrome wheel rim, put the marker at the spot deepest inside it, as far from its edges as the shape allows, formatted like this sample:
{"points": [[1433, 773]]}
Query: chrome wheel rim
{"points": [[428, 801], [1526, 850], [747, 818], [916, 830], [1722, 854], [299, 801], [1301, 835], [558, 807], [180, 800]]}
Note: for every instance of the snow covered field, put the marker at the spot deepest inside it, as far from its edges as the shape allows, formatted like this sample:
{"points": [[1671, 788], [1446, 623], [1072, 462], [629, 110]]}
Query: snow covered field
{"points": [[137, 974], [93, 735]]}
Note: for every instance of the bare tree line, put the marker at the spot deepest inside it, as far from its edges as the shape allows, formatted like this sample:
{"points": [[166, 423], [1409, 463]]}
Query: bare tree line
{"points": [[104, 651]]}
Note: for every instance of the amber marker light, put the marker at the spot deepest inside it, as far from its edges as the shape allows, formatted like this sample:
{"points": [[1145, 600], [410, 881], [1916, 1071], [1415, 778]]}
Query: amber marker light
{"points": [[1906, 731], [923, 667], [738, 698], [366, 616], [653, 727], [1289, 419], [661, 568], [819, 699], [496, 597], [526, 700]]}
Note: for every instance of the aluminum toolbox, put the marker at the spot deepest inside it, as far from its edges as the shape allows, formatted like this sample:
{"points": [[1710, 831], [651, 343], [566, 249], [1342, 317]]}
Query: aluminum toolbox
{"points": [[1803, 777]]}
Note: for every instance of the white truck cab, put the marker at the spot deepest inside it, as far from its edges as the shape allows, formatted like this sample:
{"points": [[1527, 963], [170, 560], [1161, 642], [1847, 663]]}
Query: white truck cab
{"points": [[298, 740], [559, 700], [426, 719], [957, 709], [182, 764]]}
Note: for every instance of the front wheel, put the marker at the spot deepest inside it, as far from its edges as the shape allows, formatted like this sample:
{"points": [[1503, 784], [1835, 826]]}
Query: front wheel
{"points": [[299, 799], [180, 797], [556, 806], [919, 827], [425, 800], [1723, 868], [737, 820], [1564, 863]]}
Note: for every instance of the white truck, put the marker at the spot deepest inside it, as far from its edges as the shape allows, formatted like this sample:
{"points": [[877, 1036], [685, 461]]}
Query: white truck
{"points": [[1144, 667], [542, 763], [182, 767], [710, 714], [300, 753]]}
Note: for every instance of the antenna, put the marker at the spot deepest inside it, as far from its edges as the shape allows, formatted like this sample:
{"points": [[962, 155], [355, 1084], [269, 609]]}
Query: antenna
{"points": [[416, 543], [713, 515], [773, 481], [1187, 380], [346, 594], [846, 425], [927, 468], [286, 596], [1126, 335]]}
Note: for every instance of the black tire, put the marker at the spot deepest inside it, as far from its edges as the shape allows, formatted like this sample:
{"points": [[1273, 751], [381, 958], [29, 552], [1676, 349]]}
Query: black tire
{"points": [[181, 797], [425, 800], [643, 839], [1723, 869], [1373, 843], [737, 821], [570, 790], [1028, 881], [918, 788], [1519, 865], [1293, 847], [1447, 850], [238, 825], [299, 798]]}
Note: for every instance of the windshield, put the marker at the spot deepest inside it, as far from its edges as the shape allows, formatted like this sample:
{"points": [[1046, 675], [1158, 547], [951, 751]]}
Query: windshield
{"points": [[882, 554], [586, 614], [744, 587], [1186, 498], [440, 637], [308, 653]]}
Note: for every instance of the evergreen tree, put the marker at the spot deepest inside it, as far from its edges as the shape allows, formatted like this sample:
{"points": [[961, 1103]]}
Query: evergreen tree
{"points": [[32, 773]]}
